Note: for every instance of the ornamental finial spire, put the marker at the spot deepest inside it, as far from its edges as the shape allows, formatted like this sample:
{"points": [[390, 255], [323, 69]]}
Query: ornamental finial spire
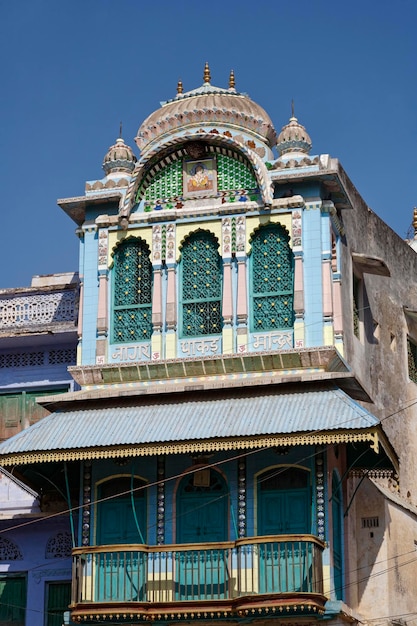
{"points": [[232, 83], [179, 87], [120, 130], [207, 76], [292, 108]]}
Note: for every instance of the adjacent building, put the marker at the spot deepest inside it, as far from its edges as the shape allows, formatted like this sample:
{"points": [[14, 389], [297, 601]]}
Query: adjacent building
{"points": [[38, 342], [240, 441]]}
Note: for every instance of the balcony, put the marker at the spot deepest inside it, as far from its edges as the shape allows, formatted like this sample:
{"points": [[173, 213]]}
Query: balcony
{"points": [[252, 577], [40, 308]]}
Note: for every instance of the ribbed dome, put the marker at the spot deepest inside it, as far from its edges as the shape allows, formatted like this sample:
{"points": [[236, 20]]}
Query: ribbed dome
{"points": [[293, 139], [204, 106], [119, 158]]}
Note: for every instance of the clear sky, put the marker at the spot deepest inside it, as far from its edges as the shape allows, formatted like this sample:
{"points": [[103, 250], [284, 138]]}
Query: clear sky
{"points": [[71, 70]]}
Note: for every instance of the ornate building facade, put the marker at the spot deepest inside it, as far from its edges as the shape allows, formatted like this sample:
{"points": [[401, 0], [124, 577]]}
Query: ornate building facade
{"points": [[241, 444]]}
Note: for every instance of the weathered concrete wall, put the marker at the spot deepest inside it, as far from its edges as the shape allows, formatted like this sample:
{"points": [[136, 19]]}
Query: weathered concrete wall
{"points": [[379, 358], [380, 552]]}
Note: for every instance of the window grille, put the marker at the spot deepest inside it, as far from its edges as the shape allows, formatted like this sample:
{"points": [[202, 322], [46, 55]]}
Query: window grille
{"points": [[22, 359], [232, 174], [201, 286], [68, 355], [412, 360], [132, 308], [272, 277]]}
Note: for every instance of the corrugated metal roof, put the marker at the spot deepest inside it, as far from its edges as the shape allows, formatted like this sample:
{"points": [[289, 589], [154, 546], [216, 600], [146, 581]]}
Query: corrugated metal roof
{"points": [[221, 415]]}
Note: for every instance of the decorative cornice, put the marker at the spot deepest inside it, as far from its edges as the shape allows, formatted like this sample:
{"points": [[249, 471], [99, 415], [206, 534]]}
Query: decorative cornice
{"points": [[187, 447], [301, 605]]}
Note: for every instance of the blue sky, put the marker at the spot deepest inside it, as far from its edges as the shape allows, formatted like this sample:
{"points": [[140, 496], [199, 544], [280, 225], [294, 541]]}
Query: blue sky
{"points": [[73, 69]]}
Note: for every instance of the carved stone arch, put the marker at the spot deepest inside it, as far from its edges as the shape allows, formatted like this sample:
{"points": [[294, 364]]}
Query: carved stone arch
{"points": [[9, 550], [59, 546], [144, 164]]}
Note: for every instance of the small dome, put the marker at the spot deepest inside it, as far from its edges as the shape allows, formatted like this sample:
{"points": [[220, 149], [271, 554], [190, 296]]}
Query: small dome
{"points": [[293, 139], [119, 158]]}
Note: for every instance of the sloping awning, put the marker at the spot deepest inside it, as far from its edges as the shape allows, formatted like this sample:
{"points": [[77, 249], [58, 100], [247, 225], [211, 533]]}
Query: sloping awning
{"points": [[224, 420]]}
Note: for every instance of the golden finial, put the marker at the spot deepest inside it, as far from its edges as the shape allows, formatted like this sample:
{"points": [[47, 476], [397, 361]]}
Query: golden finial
{"points": [[179, 87], [415, 222], [232, 83], [207, 76]]}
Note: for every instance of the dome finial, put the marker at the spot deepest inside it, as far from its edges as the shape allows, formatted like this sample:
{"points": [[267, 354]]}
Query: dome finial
{"points": [[232, 83], [120, 129], [179, 87], [292, 108], [207, 76]]}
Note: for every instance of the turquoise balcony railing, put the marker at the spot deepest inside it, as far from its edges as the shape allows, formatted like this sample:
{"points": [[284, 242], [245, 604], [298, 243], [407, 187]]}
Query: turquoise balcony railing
{"points": [[229, 576]]}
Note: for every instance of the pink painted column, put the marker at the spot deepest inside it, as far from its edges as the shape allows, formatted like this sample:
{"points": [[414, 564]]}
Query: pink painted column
{"points": [[298, 287], [326, 271], [80, 310], [227, 308], [242, 293], [337, 305], [171, 312], [157, 300], [102, 316]]}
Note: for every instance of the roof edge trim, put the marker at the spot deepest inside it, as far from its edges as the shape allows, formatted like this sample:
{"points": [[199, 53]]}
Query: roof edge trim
{"points": [[371, 435]]}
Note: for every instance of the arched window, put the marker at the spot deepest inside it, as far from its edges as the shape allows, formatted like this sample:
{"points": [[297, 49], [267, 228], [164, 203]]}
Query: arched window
{"points": [[132, 292], [201, 286], [272, 279]]}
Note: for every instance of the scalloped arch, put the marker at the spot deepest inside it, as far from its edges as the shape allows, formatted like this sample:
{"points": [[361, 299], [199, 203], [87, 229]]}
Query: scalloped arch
{"points": [[124, 240], [259, 227], [143, 165], [194, 232]]}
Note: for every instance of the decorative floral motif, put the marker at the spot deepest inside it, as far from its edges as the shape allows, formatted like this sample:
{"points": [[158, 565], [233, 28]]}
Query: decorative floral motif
{"points": [[86, 504], [242, 497], [160, 532], [59, 546], [9, 550], [320, 496]]}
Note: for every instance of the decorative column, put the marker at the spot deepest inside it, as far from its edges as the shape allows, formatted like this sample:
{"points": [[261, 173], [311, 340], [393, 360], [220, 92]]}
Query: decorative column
{"points": [[102, 309], [239, 241], [160, 526], [80, 234], [158, 254], [227, 305], [242, 497], [86, 505], [296, 235], [326, 270], [171, 312]]}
